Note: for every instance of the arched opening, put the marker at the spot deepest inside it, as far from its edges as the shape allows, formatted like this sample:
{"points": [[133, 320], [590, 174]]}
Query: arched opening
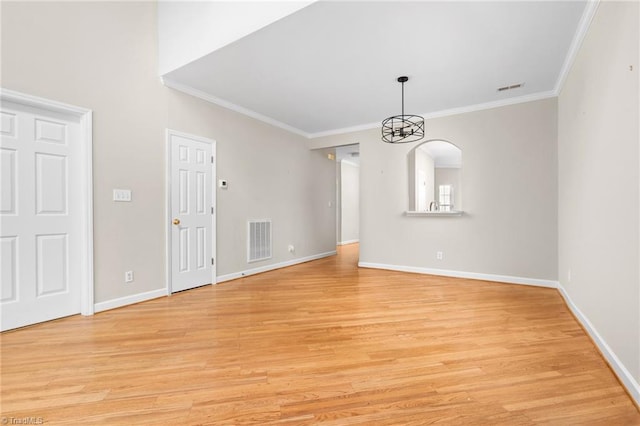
{"points": [[435, 177]]}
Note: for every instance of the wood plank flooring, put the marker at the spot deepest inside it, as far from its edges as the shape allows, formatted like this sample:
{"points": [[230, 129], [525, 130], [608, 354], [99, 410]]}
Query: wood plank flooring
{"points": [[318, 342]]}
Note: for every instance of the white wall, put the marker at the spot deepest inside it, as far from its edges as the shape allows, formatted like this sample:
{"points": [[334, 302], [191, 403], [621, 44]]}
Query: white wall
{"points": [[599, 186], [188, 30], [69, 52], [509, 188], [103, 56], [349, 202], [271, 174], [424, 164]]}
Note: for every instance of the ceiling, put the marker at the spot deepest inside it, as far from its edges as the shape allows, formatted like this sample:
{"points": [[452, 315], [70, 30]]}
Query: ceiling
{"points": [[443, 153], [332, 66]]}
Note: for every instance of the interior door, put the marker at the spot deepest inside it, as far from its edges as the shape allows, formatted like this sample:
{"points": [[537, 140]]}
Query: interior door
{"points": [[40, 215], [192, 196]]}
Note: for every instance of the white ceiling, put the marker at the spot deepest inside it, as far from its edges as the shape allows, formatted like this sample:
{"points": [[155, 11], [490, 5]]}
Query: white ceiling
{"points": [[443, 153], [333, 66]]}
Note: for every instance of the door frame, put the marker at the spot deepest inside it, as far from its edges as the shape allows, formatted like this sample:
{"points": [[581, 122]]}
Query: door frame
{"points": [[85, 118], [168, 216]]}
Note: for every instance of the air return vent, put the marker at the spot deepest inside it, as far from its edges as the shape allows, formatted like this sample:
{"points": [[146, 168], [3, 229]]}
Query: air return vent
{"points": [[259, 244], [513, 86]]}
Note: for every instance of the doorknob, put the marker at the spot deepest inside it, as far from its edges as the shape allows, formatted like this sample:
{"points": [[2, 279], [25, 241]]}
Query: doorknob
{"points": [[176, 221]]}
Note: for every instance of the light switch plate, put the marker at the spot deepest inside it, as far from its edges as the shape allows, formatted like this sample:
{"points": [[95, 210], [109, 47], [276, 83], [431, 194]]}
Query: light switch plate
{"points": [[121, 195]]}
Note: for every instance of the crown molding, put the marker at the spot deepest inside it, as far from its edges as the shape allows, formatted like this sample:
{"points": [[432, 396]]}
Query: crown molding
{"points": [[576, 43], [444, 113], [583, 27], [228, 105], [447, 112]]}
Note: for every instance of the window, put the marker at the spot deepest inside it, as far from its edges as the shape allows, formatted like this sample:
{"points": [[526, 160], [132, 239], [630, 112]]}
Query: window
{"points": [[445, 197]]}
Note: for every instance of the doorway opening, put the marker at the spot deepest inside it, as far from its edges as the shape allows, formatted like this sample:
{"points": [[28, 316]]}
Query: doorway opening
{"points": [[347, 194]]}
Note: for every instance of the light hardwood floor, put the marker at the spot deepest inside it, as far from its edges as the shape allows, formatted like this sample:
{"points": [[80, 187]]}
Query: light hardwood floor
{"points": [[319, 342]]}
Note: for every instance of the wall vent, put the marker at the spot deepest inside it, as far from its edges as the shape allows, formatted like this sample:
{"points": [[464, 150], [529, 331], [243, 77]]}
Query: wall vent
{"points": [[259, 241], [513, 86]]}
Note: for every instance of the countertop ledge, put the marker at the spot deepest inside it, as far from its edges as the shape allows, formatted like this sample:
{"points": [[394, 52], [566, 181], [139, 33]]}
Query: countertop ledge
{"points": [[434, 214]]}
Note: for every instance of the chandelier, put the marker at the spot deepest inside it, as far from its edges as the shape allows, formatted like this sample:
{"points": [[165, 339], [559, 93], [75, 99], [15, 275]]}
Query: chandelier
{"points": [[403, 128]]}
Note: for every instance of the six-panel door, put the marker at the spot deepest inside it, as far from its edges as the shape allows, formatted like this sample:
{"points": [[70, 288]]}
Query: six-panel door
{"points": [[191, 208], [39, 215]]}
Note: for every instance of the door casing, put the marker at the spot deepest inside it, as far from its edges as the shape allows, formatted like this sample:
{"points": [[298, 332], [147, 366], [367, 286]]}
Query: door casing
{"points": [[85, 227]]}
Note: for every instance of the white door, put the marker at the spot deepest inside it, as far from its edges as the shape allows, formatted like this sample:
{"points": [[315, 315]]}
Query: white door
{"points": [[40, 215], [192, 199]]}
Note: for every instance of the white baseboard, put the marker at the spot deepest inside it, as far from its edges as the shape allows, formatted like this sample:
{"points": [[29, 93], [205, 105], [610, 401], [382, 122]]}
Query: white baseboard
{"points": [[154, 294], [462, 274], [617, 366], [246, 273], [344, 243], [129, 300]]}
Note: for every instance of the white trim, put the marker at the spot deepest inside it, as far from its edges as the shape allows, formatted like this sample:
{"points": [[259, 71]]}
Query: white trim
{"points": [[444, 113], [440, 213], [462, 274], [168, 229], [617, 366], [246, 273], [576, 43], [85, 117], [581, 32], [447, 112], [627, 379], [129, 300], [87, 290], [214, 216], [37, 102], [167, 211], [228, 105], [344, 243]]}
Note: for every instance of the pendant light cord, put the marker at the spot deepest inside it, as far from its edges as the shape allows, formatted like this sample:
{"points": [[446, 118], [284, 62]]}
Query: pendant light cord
{"points": [[403, 98], [402, 128]]}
